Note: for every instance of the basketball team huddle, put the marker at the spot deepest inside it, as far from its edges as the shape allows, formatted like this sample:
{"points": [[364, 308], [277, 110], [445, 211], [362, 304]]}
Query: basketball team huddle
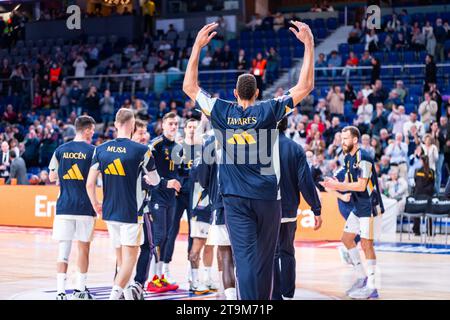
{"points": [[239, 184]]}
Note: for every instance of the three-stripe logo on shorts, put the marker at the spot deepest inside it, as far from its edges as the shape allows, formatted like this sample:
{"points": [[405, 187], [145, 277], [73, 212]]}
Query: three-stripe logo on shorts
{"points": [[115, 168], [74, 173]]}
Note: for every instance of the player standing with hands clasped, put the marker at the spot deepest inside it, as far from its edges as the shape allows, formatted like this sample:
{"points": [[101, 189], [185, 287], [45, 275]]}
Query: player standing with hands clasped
{"points": [[365, 219], [249, 168]]}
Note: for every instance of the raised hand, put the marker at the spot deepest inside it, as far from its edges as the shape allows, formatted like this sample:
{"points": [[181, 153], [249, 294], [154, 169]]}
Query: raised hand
{"points": [[204, 36], [304, 33]]}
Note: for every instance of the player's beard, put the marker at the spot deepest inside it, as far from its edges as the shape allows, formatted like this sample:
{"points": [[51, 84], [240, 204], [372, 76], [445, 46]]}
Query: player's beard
{"points": [[347, 148]]}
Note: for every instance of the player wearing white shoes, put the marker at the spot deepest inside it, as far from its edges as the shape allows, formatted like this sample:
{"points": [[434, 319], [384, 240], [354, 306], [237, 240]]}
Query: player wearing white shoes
{"points": [[75, 217], [361, 180], [200, 216], [122, 163], [207, 174]]}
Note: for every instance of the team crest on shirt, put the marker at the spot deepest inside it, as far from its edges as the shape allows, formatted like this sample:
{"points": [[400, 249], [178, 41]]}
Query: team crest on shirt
{"points": [[156, 206]]}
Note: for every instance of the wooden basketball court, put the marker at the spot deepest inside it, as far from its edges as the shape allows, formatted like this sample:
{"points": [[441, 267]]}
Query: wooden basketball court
{"points": [[27, 269]]}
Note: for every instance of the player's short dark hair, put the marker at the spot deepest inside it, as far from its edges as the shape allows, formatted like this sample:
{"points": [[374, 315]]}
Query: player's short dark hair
{"points": [[169, 115], [124, 115], [283, 124], [12, 154], [84, 122], [140, 124], [190, 120], [354, 131], [246, 86]]}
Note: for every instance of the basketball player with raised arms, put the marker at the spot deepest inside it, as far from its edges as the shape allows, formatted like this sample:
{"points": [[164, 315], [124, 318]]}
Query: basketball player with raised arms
{"points": [[249, 170], [75, 217], [122, 164]]}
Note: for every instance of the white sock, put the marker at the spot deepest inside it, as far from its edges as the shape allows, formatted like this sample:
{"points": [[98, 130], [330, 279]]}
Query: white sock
{"points": [[189, 272], [357, 265], [207, 273], [165, 268], [371, 266], [152, 272], [81, 281], [221, 288], [159, 269], [61, 282], [194, 273], [230, 294], [116, 292], [128, 295]]}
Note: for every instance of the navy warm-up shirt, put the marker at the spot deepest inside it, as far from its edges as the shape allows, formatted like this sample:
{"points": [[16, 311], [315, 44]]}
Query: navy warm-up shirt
{"points": [[72, 161], [190, 152], [122, 162], [295, 178], [367, 203], [167, 156], [344, 207], [250, 163]]}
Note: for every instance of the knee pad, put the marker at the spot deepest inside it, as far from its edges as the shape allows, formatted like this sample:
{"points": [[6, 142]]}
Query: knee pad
{"points": [[64, 248]]}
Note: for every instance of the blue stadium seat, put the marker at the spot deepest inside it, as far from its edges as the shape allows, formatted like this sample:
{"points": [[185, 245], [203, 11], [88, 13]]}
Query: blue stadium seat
{"points": [[422, 56], [432, 16], [332, 23], [319, 23], [393, 58], [286, 62], [409, 107], [299, 50], [166, 95], [408, 57], [321, 33], [343, 48], [358, 48]]}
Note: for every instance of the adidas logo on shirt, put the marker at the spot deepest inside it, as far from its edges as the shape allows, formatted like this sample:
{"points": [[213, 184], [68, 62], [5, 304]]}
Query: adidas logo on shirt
{"points": [[74, 173], [115, 168]]}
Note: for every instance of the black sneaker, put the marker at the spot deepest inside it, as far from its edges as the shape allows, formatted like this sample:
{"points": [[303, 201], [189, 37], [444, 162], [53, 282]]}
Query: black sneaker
{"points": [[82, 295]]}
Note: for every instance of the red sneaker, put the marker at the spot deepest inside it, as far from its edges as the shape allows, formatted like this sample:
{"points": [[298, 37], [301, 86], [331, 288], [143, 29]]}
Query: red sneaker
{"points": [[168, 285], [155, 286]]}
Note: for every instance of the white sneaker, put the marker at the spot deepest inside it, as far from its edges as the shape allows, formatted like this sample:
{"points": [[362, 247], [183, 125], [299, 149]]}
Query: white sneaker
{"points": [[359, 284], [136, 291], [169, 278], [212, 286], [82, 295], [345, 257], [364, 293], [61, 296], [198, 288]]}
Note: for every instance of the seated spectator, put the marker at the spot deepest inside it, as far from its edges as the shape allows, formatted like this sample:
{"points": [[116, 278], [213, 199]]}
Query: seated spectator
{"points": [[255, 23], [385, 138], [398, 118], [417, 40], [326, 7], [355, 34], [278, 21], [393, 24], [317, 144], [317, 124], [241, 63], [365, 61], [430, 150], [388, 43], [9, 115], [273, 64], [43, 178], [393, 101], [226, 58], [400, 42], [351, 63], [371, 41], [385, 166], [321, 63], [413, 121], [400, 90], [331, 129], [335, 61], [207, 60]]}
